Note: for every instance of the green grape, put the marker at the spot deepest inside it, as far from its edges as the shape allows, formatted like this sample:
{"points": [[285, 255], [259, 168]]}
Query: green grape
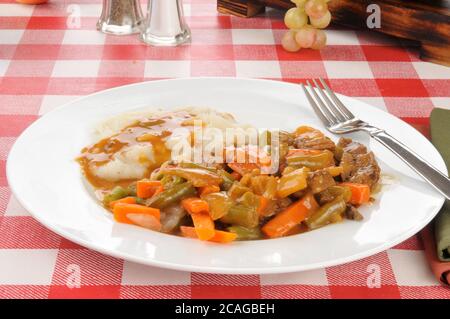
{"points": [[295, 18], [321, 40], [322, 22], [306, 37], [288, 42], [316, 8]]}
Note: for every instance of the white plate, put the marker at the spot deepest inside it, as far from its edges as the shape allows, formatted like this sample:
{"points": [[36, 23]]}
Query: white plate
{"points": [[47, 181]]}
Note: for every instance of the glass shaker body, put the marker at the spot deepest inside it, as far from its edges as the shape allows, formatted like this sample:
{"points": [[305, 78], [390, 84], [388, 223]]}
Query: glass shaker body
{"points": [[165, 24], [121, 17]]}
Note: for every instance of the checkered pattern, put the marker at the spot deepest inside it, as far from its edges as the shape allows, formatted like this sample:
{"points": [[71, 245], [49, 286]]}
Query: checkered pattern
{"points": [[49, 56]]}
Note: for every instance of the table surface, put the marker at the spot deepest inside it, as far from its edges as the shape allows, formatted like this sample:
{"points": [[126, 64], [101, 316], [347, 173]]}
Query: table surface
{"points": [[51, 54]]}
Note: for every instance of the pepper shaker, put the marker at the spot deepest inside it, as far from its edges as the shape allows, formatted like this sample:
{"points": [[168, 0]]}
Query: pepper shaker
{"points": [[120, 17], [165, 24]]}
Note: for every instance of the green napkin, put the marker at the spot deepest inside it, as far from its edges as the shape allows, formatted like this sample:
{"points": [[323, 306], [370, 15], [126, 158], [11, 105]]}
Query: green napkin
{"points": [[440, 135]]}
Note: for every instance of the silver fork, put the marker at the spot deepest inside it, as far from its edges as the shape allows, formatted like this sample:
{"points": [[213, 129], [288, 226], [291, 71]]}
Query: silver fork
{"points": [[339, 120]]}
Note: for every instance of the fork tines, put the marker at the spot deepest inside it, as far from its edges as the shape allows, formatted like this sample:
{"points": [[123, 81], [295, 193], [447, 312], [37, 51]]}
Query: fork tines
{"points": [[327, 106]]}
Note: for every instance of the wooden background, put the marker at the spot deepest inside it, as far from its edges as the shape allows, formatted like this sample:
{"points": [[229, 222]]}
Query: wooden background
{"points": [[424, 21]]}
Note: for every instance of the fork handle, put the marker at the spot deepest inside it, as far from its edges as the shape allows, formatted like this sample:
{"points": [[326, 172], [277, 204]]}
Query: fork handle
{"points": [[418, 164]]}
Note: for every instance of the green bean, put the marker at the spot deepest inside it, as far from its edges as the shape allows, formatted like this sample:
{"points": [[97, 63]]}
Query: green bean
{"points": [[332, 192], [169, 181], [139, 200], [241, 215], [244, 233], [199, 177], [219, 204], [194, 165], [326, 213], [172, 195], [312, 161], [228, 180], [249, 199], [131, 189], [116, 193], [237, 190]]}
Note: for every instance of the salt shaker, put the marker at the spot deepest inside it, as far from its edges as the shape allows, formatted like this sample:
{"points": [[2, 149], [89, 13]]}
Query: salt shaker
{"points": [[120, 17], [165, 24]]}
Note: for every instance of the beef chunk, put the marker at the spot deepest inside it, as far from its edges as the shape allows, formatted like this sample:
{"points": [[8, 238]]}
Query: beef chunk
{"points": [[348, 165], [359, 166], [314, 143], [325, 197], [352, 213], [320, 180], [366, 171], [349, 146]]}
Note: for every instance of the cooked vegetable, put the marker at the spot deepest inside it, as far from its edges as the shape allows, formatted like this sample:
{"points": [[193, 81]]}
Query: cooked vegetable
{"points": [[195, 205], [264, 185], [171, 218], [243, 168], [263, 205], [228, 179], [146, 221], [116, 193], [317, 182], [126, 200], [204, 225], [146, 189], [327, 213], [334, 191], [312, 160], [219, 204], [195, 165], [242, 215], [123, 212], [208, 190], [320, 180], [292, 182], [168, 181], [172, 195], [198, 177], [237, 190], [219, 236], [236, 175], [282, 223], [244, 233], [360, 193], [334, 170]]}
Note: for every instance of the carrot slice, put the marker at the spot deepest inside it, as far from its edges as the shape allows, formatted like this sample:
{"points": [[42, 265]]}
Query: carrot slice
{"points": [[223, 237], [126, 200], [360, 193], [293, 215], [263, 203], [121, 210], [158, 190], [301, 151], [195, 205], [189, 232], [219, 236], [209, 189], [146, 189], [236, 175], [204, 225], [243, 168]]}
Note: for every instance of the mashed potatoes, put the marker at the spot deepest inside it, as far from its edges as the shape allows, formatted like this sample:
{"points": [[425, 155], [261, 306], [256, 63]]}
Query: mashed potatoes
{"points": [[131, 145]]}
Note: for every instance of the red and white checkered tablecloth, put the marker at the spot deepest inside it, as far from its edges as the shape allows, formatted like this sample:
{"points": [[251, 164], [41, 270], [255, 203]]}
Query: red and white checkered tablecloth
{"points": [[49, 55]]}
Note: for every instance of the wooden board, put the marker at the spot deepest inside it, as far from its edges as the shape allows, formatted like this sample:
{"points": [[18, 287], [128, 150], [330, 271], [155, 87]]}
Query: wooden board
{"points": [[424, 21]]}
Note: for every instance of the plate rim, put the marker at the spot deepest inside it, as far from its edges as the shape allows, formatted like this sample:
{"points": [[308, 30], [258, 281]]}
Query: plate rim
{"points": [[208, 269]]}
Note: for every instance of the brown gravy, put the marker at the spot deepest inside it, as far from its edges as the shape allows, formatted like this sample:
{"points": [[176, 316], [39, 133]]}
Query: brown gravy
{"points": [[154, 131]]}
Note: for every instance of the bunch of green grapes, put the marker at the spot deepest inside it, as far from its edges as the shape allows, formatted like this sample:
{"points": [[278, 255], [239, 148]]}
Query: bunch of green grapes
{"points": [[303, 34]]}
